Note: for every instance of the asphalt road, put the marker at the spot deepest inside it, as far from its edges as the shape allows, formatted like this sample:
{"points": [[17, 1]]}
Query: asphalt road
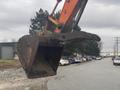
{"points": [[94, 75]]}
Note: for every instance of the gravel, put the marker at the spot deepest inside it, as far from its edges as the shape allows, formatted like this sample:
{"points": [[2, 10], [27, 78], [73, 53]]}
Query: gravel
{"points": [[15, 79], [12, 74]]}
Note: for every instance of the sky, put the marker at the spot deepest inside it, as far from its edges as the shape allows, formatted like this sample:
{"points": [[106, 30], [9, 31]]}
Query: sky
{"points": [[101, 17]]}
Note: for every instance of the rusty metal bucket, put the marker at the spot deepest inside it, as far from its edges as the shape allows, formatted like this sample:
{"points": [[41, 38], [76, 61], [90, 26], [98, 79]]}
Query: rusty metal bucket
{"points": [[39, 56]]}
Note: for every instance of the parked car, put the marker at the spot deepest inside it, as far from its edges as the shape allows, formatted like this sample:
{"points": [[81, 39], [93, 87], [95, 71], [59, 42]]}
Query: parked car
{"points": [[64, 61], [113, 57], [93, 57], [116, 61], [98, 58], [89, 58], [71, 60], [77, 59], [84, 59]]}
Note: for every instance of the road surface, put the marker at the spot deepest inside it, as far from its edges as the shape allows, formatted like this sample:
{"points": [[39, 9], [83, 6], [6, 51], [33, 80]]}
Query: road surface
{"points": [[94, 75]]}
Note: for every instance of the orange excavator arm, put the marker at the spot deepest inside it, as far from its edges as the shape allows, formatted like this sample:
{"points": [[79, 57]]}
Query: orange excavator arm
{"points": [[70, 14]]}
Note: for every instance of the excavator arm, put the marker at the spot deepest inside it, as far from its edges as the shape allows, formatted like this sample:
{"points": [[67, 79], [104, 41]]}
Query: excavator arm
{"points": [[70, 14]]}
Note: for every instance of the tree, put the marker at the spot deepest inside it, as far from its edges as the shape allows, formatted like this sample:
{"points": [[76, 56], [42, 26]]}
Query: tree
{"points": [[39, 20], [57, 15], [92, 48], [85, 47]]}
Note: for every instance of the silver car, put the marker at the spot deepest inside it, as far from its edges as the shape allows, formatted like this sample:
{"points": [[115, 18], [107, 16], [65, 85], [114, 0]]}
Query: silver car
{"points": [[116, 61]]}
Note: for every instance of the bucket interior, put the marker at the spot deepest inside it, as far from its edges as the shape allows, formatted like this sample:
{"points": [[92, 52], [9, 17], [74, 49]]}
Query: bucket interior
{"points": [[46, 61]]}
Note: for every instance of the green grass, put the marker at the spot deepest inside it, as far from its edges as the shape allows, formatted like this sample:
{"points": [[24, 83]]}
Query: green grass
{"points": [[9, 64], [7, 61]]}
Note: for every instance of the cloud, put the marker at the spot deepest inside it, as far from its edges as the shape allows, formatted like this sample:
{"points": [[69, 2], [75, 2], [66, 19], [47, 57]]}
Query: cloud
{"points": [[16, 13], [107, 2], [15, 16], [98, 15]]}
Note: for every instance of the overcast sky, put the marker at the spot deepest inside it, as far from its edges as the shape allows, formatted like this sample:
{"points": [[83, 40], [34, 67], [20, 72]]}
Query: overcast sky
{"points": [[101, 17]]}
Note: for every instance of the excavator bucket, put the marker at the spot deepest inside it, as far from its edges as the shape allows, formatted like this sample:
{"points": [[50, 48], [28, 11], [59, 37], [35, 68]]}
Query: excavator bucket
{"points": [[39, 56]]}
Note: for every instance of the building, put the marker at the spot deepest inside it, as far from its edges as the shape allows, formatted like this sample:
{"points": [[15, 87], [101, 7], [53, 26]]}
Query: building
{"points": [[7, 50], [107, 53]]}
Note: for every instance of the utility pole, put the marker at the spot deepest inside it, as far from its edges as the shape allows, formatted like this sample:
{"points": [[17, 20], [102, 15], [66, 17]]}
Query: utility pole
{"points": [[116, 46], [114, 49]]}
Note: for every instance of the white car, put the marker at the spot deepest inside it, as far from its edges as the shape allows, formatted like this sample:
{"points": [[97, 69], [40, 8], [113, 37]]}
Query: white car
{"points": [[77, 60], [98, 58], [64, 61], [116, 61], [84, 59]]}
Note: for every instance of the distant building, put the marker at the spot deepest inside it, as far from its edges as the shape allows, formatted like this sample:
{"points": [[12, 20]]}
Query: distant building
{"points": [[107, 53], [7, 50]]}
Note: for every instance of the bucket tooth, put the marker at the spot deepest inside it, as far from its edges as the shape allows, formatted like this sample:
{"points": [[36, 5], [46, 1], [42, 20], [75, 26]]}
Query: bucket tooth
{"points": [[39, 56]]}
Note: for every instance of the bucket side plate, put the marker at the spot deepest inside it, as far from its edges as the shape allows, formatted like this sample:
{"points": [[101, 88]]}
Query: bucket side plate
{"points": [[39, 56]]}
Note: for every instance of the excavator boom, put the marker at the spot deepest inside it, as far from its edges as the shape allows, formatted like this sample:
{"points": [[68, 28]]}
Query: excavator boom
{"points": [[71, 13]]}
